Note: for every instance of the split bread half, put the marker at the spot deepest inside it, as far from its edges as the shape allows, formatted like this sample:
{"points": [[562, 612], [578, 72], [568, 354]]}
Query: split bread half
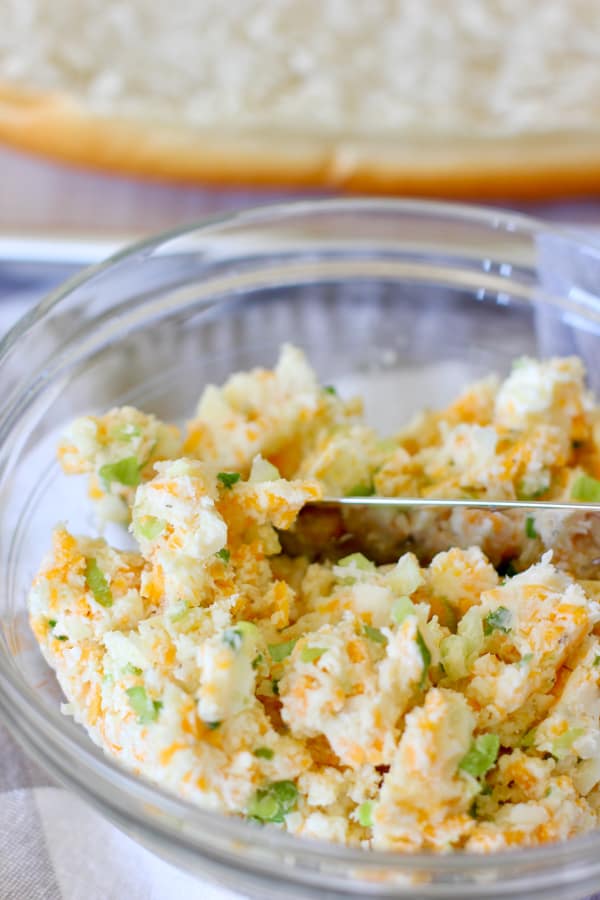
{"points": [[490, 98]]}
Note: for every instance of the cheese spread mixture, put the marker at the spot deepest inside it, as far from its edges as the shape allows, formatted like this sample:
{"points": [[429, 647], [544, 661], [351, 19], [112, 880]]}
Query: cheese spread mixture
{"points": [[446, 699]]}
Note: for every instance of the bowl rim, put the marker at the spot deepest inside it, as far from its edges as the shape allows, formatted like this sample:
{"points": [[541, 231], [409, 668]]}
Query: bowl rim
{"points": [[501, 218], [105, 777]]}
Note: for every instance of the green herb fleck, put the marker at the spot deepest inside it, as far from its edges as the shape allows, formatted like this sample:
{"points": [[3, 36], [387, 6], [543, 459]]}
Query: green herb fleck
{"points": [[149, 527], [522, 494], [361, 490], [180, 611], [329, 389], [597, 660], [481, 755], [257, 661], [126, 432], [530, 528], [97, 583], [130, 669], [52, 623], [528, 738], [223, 554], [274, 802], [402, 608], [275, 686], [146, 709], [497, 620], [561, 746], [228, 479], [264, 753], [233, 638], [374, 634], [61, 637], [587, 489], [280, 651], [125, 471], [311, 654], [212, 726], [364, 814], [425, 656], [358, 561]]}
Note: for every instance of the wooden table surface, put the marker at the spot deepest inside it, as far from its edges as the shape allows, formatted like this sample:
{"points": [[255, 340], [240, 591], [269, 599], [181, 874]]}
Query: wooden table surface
{"points": [[36, 194]]}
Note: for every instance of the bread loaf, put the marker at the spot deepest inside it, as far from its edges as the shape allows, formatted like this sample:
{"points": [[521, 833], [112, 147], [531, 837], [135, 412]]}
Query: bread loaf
{"points": [[470, 97]]}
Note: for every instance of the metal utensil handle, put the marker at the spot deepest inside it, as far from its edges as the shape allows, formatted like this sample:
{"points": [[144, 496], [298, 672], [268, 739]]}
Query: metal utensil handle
{"points": [[431, 502]]}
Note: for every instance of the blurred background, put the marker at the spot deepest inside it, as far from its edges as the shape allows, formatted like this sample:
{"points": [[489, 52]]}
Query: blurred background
{"points": [[127, 116]]}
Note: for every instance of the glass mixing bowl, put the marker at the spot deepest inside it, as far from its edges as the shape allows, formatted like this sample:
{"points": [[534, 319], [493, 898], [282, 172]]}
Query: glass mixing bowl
{"points": [[403, 302]]}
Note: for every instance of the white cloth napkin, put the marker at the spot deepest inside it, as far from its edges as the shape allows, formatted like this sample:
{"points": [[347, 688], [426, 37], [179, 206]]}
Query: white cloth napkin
{"points": [[53, 846]]}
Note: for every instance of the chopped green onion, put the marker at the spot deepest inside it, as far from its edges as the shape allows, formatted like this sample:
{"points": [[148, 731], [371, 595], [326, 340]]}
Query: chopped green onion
{"points": [[212, 726], [364, 814], [425, 656], [275, 687], [125, 432], [228, 479], [586, 488], [180, 611], [223, 554], [329, 389], [264, 753], [97, 583], [563, 743], [595, 663], [455, 656], [273, 803], [528, 738], [125, 471], [149, 527], [145, 708], [311, 654], [263, 470], [358, 561], [361, 490], [52, 624], [497, 620], [481, 755], [61, 637], [130, 669], [280, 651], [374, 634], [522, 494], [402, 608], [257, 661], [530, 528], [233, 638]]}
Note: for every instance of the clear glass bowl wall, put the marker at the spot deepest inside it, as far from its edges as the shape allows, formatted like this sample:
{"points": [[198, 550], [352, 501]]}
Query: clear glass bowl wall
{"points": [[402, 302]]}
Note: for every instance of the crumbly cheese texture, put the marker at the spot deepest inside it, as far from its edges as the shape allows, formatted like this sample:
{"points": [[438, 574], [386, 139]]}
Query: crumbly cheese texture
{"points": [[436, 702]]}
